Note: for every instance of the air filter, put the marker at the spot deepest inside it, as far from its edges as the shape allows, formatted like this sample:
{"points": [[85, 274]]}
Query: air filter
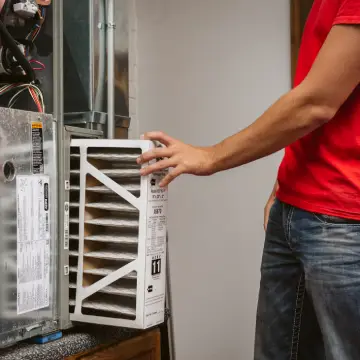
{"points": [[117, 236]]}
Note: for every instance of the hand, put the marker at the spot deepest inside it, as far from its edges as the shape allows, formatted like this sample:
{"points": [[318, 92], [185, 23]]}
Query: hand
{"points": [[183, 158], [269, 204]]}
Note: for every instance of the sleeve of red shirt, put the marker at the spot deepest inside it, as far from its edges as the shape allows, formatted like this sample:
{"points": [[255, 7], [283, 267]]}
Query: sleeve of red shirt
{"points": [[349, 12]]}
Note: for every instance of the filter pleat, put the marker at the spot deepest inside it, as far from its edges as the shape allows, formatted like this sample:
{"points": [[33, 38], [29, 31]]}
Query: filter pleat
{"points": [[113, 206], [133, 188], [121, 239], [114, 173], [107, 306], [114, 290], [114, 222], [103, 272]]}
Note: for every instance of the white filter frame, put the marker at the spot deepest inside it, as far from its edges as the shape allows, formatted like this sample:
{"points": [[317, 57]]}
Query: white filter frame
{"points": [[143, 320]]}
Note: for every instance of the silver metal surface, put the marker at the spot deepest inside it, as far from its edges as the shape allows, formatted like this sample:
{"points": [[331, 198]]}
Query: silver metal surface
{"points": [[101, 78], [95, 120], [16, 148], [86, 60]]}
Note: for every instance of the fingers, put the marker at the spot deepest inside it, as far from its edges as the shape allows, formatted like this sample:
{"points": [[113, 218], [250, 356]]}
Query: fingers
{"points": [[159, 136], [171, 176], [267, 212], [158, 166], [266, 219], [154, 154]]}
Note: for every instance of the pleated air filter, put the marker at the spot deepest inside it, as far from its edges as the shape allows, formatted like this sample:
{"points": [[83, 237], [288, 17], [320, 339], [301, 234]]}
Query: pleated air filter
{"points": [[117, 236]]}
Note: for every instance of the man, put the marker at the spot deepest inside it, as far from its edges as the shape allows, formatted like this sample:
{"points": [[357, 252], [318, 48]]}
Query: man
{"points": [[309, 301]]}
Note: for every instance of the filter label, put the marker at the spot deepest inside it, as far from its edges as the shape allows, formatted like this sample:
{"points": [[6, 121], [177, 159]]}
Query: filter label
{"points": [[156, 252], [33, 243]]}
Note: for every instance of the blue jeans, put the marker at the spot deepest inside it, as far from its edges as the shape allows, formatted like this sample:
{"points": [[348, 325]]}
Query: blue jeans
{"points": [[309, 301]]}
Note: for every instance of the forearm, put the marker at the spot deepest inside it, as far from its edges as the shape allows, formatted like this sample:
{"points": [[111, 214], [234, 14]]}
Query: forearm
{"points": [[290, 118]]}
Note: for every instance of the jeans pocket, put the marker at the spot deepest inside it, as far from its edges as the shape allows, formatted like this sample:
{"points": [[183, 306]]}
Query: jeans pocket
{"points": [[334, 220]]}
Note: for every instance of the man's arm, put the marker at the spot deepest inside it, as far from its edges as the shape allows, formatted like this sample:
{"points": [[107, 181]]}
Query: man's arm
{"points": [[333, 77]]}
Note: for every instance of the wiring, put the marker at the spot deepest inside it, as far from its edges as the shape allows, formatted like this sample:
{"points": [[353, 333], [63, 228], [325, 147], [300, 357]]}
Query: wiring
{"points": [[34, 91], [15, 86], [8, 42], [35, 97], [40, 67], [37, 27]]}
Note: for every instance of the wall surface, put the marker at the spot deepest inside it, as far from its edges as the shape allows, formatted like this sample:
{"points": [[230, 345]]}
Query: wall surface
{"points": [[205, 69]]}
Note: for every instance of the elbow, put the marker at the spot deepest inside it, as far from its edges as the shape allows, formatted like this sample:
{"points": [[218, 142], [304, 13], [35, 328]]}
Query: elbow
{"points": [[320, 114], [316, 110]]}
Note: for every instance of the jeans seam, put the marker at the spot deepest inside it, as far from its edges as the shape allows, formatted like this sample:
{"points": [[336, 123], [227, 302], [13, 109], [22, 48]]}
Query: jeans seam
{"points": [[300, 294], [288, 225]]}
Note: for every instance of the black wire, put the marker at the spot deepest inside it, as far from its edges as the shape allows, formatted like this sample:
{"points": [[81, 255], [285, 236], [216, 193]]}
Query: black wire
{"points": [[10, 42]]}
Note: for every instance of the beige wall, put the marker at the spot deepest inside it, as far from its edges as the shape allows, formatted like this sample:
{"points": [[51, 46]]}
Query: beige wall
{"points": [[206, 68]]}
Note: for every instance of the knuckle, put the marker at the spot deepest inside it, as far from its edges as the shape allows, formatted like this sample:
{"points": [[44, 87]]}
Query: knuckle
{"points": [[158, 152], [149, 155]]}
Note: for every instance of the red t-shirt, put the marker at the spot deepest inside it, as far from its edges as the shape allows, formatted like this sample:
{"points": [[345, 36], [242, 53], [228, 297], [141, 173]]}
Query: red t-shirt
{"points": [[321, 172]]}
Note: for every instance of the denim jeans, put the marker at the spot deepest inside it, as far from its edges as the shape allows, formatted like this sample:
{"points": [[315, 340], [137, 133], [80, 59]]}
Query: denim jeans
{"points": [[309, 301]]}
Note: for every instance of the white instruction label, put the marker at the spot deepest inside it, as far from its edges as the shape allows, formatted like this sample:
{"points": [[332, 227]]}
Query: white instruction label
{"points": [[33, 243], [156, 225], [155, 252]]}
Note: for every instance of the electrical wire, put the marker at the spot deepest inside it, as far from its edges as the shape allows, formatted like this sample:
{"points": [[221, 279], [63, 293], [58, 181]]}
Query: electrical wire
{"points": [[37, 27], [16, 97], [36, 99], [41, 65], [34, 91], [39, 96]]}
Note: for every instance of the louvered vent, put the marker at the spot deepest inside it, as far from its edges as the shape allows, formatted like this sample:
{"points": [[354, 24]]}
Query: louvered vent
{"points": [[107, 228]]}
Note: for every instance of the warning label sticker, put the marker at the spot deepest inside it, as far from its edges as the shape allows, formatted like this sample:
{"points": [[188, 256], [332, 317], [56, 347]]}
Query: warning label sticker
{"points": [[33, 243], [37, 147]]}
